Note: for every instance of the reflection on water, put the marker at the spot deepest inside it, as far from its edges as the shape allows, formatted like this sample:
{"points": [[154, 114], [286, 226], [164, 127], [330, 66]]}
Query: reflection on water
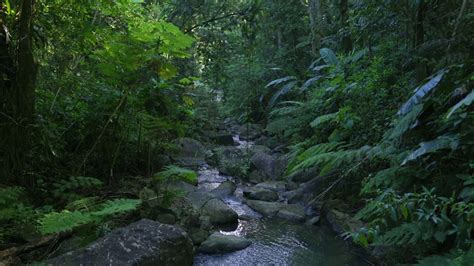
{"points": [[276, 242]]}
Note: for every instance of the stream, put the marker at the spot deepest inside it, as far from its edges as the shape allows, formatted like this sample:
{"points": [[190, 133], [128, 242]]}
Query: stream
{"points": [[274, 241]]}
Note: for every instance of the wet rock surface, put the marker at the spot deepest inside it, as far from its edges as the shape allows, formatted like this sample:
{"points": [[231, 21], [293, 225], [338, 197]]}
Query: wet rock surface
{"points": [[145, 242], [220, 243], [258, 193]]}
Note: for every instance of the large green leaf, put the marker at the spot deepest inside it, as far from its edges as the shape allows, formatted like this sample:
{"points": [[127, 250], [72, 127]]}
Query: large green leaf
{"points": [[442, 142], [284, 90], [328, 56], [420, 93], [280, 80], [464, 102]]}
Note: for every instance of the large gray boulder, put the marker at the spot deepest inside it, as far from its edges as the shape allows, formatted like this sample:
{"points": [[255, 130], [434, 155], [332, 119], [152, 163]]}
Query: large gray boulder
{"points": [[220, 243], [292, 212], [268, 209], [189, 152], [256, 176], [145, 242], [213, 207], [341, 222], [258, 193], [278, 186], [304, 175], [273, 167], [219, 213], [226, 188]]}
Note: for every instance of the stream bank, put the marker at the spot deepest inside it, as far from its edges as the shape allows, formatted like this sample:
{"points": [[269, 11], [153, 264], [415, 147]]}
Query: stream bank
{"points": [[242, 211]]}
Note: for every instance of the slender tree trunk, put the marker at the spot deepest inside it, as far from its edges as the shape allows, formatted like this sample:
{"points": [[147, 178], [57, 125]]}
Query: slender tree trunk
{"points": [[315, 20], [346, 39], [18, 93], [419, 29]]}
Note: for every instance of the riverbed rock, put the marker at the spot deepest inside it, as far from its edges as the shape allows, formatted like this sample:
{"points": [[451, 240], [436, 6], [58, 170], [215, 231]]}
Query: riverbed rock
{"points": [[256, 176], [342, 222], [145, 242], [225, 139], [218, 243], [227, 159], [278, 186], [189, 153], [210, 205], [291, 212], [259, 193], [249, 131], [259, 149], [226, 188], [179, 185], [219, 213], [303, 175], [273, 167], [268, 209]]}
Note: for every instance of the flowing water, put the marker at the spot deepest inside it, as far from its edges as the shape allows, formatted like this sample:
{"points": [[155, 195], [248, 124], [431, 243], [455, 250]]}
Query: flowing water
{"points": [[274, 241]]}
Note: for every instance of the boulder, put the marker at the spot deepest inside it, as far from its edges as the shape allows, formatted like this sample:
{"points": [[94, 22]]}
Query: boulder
{"points": [[178, 185], [226, 188], [259, 193], [145, 242], [198, 199], [219, 213], [268, 209], [220, 243], [273, 167], [278, 186], [303, 175], [256, 176], [213, 207], [313, 221], [259, 149], [189, 152], [198, 235], [249, 131], [291, 212], [342, 222], [227, 159], [225, 139]]}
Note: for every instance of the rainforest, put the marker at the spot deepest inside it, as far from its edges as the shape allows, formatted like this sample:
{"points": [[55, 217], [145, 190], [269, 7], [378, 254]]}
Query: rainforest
{"points": [[236, 132]]}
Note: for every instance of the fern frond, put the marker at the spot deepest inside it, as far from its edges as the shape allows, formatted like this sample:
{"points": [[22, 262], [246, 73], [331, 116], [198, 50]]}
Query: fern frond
{"points": [[177, 173], [66, 220], [406, 233], [116, 206], [323, 119], [57, 222]]}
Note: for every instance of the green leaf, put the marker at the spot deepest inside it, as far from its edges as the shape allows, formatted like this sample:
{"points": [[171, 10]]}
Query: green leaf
{"points": [[323, 119], [442, 142], [284, 90], [464, 102], [328, 56], [280, 80], [420, 93]]}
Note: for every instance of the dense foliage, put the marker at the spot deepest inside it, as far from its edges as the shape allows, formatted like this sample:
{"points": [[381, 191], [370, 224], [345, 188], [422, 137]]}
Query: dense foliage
{"points": [[376, 93]]}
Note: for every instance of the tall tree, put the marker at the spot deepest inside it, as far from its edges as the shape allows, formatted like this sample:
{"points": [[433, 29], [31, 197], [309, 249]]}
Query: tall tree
{"points": [[315, 21], [18, 93]]}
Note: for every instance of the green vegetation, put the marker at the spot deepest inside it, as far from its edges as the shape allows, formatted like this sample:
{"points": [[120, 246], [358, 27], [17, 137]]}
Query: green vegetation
{"points": [[377, 94]]}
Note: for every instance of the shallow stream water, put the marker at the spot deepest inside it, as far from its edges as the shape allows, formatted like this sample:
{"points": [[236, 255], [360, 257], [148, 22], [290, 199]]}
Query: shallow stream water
{"points": [[274, 241]]}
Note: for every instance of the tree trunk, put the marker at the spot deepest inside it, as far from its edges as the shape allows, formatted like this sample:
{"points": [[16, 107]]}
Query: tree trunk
{"points": [[419, 30], [346, 39], [315, 20], [18, 94]]}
